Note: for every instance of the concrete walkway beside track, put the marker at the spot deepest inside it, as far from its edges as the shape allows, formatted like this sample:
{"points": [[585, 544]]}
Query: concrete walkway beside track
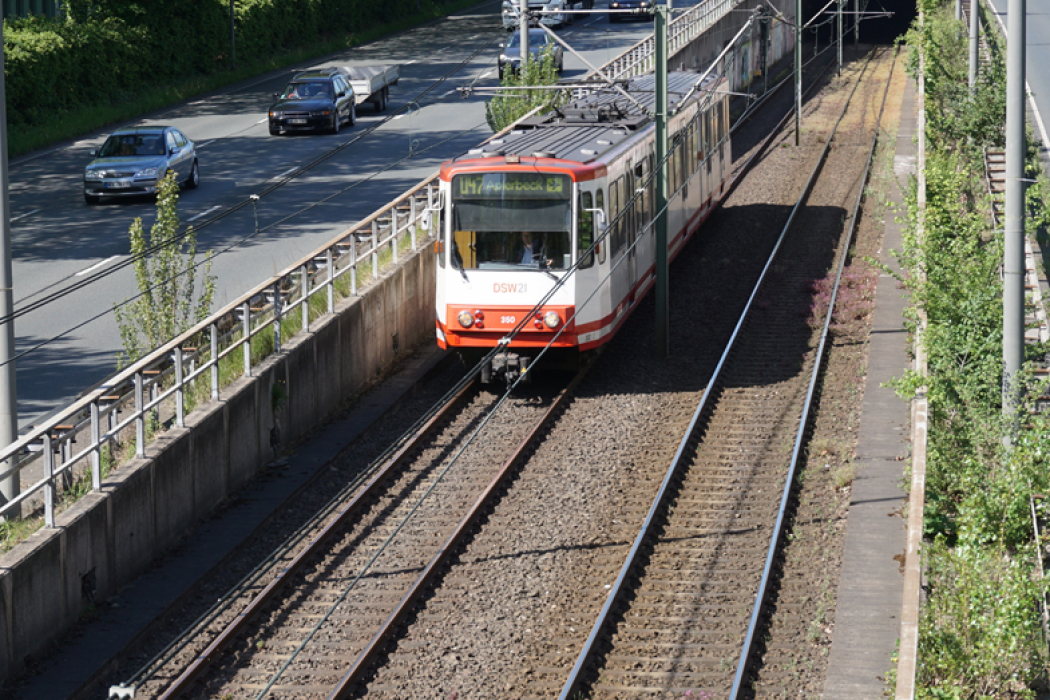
{"points": [[871, 583], [88, 655]]}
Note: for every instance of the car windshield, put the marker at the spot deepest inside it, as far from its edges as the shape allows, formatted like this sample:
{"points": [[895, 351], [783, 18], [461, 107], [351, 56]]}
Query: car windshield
{"points": [[307, 91], [129, 145], [535, 39]]}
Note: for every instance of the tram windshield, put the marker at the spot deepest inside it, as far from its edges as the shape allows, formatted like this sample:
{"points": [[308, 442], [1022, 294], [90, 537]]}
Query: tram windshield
{"points": [[511, 220]]}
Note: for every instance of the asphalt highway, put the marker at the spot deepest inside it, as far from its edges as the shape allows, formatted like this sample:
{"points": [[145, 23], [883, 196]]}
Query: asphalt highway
{"points": [[70, 344], [1037, 50]]}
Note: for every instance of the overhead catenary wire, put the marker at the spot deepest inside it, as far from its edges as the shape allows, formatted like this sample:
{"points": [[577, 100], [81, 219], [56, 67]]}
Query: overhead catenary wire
{"points": [[278, 183], [133, 259]]}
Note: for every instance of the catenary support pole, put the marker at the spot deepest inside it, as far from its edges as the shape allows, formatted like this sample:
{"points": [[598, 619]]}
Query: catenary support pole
{"points": [[975, 23], [798, 70], [838, 5], [523, 36], [958, 10], [1013, 262], [856, 22], [10, 486], [663, 305]]}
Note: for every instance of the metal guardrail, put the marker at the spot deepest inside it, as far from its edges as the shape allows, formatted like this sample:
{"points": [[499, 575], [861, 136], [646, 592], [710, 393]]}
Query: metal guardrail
{"points": [[170, 376], [639, 59]]}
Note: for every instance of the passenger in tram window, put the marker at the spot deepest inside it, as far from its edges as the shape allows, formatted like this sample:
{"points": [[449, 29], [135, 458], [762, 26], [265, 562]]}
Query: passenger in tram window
{"points": [[532, 250]]}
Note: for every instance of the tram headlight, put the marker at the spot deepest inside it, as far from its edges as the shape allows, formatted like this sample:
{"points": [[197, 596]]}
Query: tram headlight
{"points": [[466, 319], [551, 319]]}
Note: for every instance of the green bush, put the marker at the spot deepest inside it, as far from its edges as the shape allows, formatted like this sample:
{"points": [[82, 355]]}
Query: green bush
{"points": [[110, 50], [506, 108], [980, 635]]}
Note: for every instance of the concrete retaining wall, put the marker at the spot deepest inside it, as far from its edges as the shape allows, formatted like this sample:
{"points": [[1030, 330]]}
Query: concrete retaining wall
{"points": [[110, 536]]}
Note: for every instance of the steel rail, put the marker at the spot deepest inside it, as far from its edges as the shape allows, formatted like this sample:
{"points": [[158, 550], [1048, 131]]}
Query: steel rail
{"points": [[774, 545], [194, 670], [364, 660], [573, 682]]}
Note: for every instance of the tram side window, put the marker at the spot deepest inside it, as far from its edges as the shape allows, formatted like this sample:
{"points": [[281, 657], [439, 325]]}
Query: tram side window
{"points": [[640, 173], [683, 158], [614, 206], [599, 200], [651, 189], [691, 150], [725, 115], [632, 209], [585, 229], [674, 167], [709, 136]]}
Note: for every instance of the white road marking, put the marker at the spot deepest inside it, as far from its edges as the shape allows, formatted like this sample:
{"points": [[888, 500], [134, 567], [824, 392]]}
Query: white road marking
{"points": [[450, 92], [286, 173], [263, 120], [206, 143], [97, 265], [205, 213], [487, 73], [408, 63], [22, 216]]}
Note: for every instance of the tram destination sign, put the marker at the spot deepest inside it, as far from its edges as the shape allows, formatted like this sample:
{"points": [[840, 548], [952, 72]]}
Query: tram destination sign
{"points": [[511, 186]]}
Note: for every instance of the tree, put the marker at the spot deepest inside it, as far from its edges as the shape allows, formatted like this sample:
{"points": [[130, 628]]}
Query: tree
{"points": [[505, 109], [166, 273]]}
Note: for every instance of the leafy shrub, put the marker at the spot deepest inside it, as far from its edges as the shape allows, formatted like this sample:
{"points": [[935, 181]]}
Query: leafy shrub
{"points": [[107, 50], [505, 109]]}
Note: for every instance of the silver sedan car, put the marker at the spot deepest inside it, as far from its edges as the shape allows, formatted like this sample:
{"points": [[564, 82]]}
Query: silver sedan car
{"points": [[133, 161]]}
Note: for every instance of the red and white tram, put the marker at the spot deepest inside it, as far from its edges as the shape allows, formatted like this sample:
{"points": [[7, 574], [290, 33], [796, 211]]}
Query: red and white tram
{"points": [[519, 212]]}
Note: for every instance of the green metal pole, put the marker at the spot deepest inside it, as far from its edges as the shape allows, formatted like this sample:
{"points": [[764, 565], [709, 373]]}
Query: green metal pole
{"points": [[663, 306], [798, 70]]}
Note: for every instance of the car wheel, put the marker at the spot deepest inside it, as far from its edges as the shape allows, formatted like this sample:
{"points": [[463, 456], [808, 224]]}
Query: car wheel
{"points": [[195, 177], [353, 115], [612, 18], [274, 131], [336, 121], [501, 73], [91, 199]]}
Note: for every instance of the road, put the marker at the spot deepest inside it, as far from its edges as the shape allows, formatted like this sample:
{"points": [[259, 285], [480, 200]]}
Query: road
{"points": [[70, 344], [1037, 52]]}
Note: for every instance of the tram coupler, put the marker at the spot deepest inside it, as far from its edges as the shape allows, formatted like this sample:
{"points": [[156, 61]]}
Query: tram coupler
{"points": [[507, 367]]}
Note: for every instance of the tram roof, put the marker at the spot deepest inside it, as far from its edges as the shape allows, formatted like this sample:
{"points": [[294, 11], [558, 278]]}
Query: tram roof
{"points": [[590, 126]]}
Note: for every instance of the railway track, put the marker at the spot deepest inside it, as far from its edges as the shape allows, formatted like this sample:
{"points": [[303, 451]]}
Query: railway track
{"points": [[688, 606], [508, 614], [343, 585]]}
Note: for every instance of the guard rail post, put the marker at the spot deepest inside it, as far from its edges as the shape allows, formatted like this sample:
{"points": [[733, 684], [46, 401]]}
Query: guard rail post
{"points": [[214, 342], [412, 221], [180, 391], [96, 448], [246, 332], [276, 317], [353, 265], [49, 489], [140, 417], [393, 233], [375, 249], [329, 262], [304, 276]]}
